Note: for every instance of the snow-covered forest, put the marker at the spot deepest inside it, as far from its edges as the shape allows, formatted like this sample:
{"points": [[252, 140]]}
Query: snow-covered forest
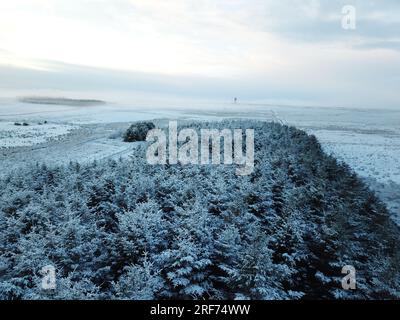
{"points": [[123, 229]]}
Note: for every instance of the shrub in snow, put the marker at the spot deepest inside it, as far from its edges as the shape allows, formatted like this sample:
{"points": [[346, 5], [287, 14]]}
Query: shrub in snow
{"points": [[138, 131]]}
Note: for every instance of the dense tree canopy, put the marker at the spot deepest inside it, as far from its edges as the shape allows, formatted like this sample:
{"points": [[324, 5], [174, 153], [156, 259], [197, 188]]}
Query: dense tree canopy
{"points": [[123, 229]]}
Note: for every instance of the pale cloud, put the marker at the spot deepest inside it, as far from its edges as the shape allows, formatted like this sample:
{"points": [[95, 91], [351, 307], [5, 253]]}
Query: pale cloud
{"points": [[135, 35], [259, 47]]}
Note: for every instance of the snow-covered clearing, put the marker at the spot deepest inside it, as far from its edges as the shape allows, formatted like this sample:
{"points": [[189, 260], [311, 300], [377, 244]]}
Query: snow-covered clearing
{"points": [[17, 135]]}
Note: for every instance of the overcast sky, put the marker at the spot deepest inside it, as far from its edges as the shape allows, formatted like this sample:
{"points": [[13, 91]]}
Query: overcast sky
{"points": [[264, 50]]}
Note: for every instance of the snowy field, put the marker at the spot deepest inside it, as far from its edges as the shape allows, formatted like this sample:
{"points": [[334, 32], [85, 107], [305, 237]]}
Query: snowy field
{"points": [[368, 140], [17, 135]]}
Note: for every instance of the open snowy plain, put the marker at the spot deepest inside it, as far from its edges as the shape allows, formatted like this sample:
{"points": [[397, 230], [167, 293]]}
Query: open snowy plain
{"points": [[366, 139]]}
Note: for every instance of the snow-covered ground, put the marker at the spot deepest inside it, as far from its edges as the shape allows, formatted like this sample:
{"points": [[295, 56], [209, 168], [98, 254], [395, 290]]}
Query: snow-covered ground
{"points": [[367, 139], [13, 135], [371, 154]]}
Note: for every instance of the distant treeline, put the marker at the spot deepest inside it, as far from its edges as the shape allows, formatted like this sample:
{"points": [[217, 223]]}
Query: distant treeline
{"points": [[61, 101]]}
